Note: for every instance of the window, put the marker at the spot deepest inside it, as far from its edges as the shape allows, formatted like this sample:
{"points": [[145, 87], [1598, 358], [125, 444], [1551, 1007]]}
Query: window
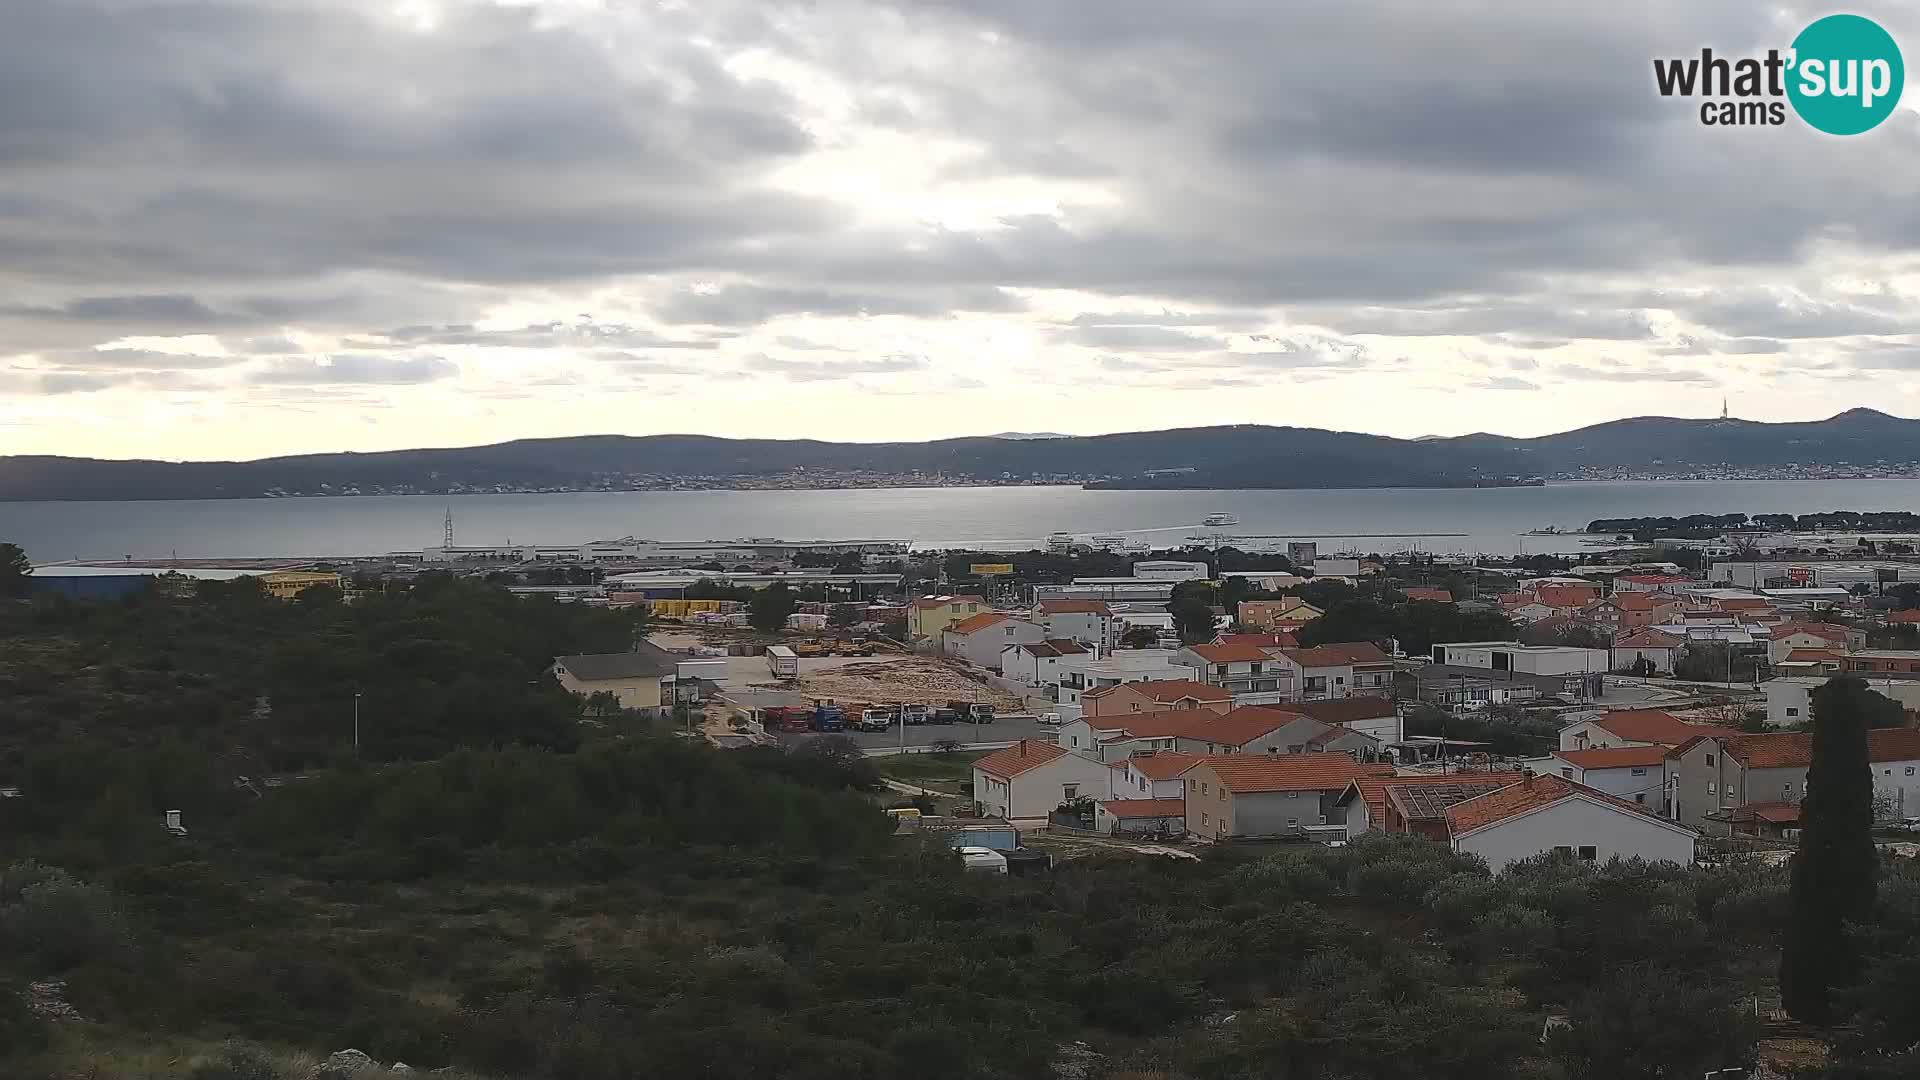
{"points": [[1203, 817], [1562, 849], [1909, 770], [1709, 760], [1637, 772], [1069, 791], [1786, 791], [1640, 797], [1568, 773], [1589, 853], [1293, 823], [1273, 749], [1223, 793], [1793, 711], [1710, 788], [1203, 787], [1136, 706], [1339, 680]]}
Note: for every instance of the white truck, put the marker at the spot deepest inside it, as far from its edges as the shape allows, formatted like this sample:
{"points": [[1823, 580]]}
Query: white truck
{"points": [[782, 662]]}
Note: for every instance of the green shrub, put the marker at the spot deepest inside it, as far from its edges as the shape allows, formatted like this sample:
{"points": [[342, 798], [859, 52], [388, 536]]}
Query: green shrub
{"points": [[55, 922], [21, 1031]]}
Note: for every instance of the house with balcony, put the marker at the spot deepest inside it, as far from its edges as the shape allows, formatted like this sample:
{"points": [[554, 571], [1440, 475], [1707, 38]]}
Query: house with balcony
{"points": [[1411, 805], [981, 639], [1038, 663], [1250, 673], [1154, 695], [1089, 622], [1338, 671]]}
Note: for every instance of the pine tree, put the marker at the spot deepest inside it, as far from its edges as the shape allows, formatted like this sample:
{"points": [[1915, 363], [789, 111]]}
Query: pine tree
{"points": [[1833, 872]]}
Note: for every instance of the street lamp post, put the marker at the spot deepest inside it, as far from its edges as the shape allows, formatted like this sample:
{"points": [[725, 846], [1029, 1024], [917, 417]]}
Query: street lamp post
{"points": [[356, 723]]}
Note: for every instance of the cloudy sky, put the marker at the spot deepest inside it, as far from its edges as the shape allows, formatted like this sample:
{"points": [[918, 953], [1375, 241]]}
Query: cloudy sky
{"points": [[232, 228]]}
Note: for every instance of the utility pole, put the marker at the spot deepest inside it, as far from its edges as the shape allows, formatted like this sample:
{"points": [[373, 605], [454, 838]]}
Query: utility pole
{"points": [[356, 723]]}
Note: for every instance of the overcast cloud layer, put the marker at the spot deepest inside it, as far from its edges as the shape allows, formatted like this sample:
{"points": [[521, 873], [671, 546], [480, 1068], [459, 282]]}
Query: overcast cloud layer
{"points": [[230, 229]]}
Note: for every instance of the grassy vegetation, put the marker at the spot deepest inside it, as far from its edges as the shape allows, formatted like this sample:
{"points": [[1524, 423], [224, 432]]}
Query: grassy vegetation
{"points": [[951, 773]]}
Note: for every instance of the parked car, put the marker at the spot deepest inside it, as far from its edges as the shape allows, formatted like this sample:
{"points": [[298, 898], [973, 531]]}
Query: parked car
{"points": [[1049, 719]]}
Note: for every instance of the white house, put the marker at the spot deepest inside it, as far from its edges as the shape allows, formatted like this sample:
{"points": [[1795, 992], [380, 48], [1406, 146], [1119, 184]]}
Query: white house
{"points": [[1529, 659], [1790, 698], [1376, 717], [1790, 636], [1636, 774], [980, 639], [1089, 622], [1542, 814], [1253, 675], [1038, 663], [1633, 727], [1029, 779]]}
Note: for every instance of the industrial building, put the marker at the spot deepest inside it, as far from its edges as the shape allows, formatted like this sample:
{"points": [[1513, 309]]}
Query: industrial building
{"points": [[1816, 573]]}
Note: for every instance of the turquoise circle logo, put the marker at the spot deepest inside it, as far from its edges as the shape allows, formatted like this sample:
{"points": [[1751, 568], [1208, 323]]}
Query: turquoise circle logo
{"points": [[1847, 75]]}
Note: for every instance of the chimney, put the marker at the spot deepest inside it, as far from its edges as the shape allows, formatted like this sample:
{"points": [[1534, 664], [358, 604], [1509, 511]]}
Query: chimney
{"points": [[1023, 748], [1526, 779]]}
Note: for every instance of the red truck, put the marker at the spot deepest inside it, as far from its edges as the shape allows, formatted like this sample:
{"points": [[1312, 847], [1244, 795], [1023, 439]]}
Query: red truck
{"points": [[788, 718]]}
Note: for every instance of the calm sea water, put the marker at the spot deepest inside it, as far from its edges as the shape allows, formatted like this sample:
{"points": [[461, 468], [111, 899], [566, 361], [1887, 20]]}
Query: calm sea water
{"points": [[1485, 520]]}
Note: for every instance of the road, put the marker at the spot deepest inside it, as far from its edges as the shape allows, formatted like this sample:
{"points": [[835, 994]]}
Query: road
{"points": [[1001, 732]]}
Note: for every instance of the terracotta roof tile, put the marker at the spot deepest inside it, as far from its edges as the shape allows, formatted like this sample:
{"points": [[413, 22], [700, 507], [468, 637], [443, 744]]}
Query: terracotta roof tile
{"points": [[1164, 690], [1255, 773], [1341, 710], [1373, 789], [1810, 656], [928, 602], [1023, 756], [1145, 808], [975, 623], [1649, 638], [1565, 596], [1053, 647], [1794, 749], [1074, 607], [1655, 726], [1529, 794], [1912, 615], [1614, 757], [1438, 596], [1337, 655]]}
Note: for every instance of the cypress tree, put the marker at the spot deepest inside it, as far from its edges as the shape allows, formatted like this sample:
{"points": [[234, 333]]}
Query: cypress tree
{"points": [[1833, 871]]}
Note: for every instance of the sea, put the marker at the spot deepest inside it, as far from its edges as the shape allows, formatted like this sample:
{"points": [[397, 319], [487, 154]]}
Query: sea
{"points": [[1385, 520]]}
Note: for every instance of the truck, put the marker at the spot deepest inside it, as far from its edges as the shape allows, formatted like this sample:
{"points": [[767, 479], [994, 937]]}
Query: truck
{"points": [[975, 713], [788, 718], [913, 714], [782, 662], [875, 719], [829, 717]]}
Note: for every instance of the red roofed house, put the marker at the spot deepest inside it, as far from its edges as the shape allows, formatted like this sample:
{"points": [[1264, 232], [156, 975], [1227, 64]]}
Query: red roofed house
{"points": [[1246, 730], [1413, 804], [1715, 778], [1566, 597], [1263, 795], [1029, 779], [1038, 663], [1541, 814], [1637, 774], [1656, 647], [1141, 817], [980, 639], [1249, 672], [1633, 727], [1089, 622], [1903, 618], [1789, 636], [1269, 614], [1154, 695], [1152, 774], [1629, 611], [1421, 592], [1337, 671], [1263, 641]]}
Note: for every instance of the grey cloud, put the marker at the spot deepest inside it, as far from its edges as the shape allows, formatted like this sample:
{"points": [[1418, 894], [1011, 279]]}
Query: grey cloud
{"points": [[1788, 316], [1541, 319], [88, 382], [355, 369], [1145, 338], [1504, 382], [748, 305], [1625, 374], [546, 335], [143, 359]]}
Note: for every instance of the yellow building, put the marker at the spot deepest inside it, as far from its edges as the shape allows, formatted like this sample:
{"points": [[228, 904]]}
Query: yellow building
{"points": [[633, 678], [287, 584], [931, 615]]}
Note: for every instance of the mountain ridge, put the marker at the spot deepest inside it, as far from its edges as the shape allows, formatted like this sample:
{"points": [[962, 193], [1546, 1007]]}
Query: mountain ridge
{"points": [[1225, 456]]}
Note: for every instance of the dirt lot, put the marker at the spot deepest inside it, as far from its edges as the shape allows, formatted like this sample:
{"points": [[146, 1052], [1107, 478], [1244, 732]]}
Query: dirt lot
{"points": [[902, 681]]}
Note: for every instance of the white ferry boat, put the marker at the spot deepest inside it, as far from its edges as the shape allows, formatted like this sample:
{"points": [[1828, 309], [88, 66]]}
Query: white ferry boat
{"points": [[1215, 521]]}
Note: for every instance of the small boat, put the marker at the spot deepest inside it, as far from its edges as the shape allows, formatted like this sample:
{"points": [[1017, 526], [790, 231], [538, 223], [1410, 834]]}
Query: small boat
{"points": [[1219, 520], [1547, 530]]}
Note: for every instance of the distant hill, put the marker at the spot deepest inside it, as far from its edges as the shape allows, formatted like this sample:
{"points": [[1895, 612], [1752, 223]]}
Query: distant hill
{"points": [[1241, 456], [1029, 435]]}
